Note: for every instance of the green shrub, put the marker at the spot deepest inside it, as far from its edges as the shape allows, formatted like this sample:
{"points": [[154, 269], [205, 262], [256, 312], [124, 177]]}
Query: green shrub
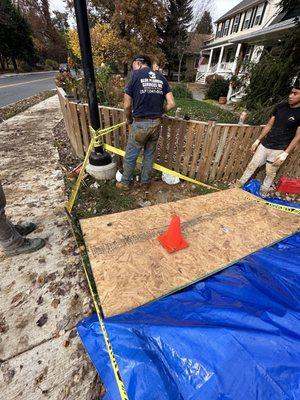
{"points": [[217, 88], [25, 67], [181, 91], [210, 78], [51, 63]]}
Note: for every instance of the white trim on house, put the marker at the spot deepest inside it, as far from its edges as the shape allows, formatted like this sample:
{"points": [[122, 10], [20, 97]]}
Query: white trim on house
{"points": [[241, 35]]}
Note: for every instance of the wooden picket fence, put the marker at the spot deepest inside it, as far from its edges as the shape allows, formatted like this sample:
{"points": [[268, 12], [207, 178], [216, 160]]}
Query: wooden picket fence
{"points": [[206, 151]]}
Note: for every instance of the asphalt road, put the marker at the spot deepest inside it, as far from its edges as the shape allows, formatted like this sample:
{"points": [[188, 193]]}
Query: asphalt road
{"points": [[18, 87]]}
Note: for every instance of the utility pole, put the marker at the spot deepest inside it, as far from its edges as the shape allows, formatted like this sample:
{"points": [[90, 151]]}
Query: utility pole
{"points": [[99, 156]]}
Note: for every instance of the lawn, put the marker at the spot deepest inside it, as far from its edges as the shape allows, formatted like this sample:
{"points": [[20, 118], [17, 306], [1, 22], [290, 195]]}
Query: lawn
{"points": [[203, 111]]}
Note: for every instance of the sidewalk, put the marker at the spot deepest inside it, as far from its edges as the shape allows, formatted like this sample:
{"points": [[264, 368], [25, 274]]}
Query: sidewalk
{"points": [[42, 295]]}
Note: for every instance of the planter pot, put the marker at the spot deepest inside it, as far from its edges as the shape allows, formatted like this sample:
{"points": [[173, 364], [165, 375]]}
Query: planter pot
{"points": [[102, 172], [222, 100]]}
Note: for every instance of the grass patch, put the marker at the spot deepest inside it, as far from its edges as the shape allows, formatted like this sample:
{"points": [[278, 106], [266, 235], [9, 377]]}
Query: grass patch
{"points": [[203, 111], [99, 198]]}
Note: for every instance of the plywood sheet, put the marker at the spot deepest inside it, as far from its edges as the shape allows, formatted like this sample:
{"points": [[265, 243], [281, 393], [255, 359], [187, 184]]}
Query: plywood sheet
{"points": [[131, 268]]}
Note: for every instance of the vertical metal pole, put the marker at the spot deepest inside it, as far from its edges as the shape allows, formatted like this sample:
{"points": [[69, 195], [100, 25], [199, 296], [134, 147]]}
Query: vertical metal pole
{"points": [[99, 157], [87, 60]]}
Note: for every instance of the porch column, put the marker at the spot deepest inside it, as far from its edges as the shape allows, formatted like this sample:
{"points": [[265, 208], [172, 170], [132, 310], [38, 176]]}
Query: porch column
{"points": [[220, 59], [236, 58], [209, 60]]}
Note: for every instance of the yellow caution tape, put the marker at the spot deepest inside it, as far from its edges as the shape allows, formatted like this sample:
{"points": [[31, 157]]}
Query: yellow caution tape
{"points": [[186, 178], [113, 361], [76, 187], [96, 135], [160, 168], [281, 207]]}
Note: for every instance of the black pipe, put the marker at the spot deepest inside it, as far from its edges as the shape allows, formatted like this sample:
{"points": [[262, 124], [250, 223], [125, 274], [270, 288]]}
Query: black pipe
{"points": [[89, 75]]}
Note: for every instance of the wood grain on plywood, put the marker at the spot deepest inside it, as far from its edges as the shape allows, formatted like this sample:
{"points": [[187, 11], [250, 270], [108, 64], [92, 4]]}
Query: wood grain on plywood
{"points": [[131, 268]]}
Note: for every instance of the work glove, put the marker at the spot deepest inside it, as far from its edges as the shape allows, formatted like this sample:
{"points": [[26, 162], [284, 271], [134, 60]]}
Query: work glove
{"points": [[255, 146], [280, 159]]}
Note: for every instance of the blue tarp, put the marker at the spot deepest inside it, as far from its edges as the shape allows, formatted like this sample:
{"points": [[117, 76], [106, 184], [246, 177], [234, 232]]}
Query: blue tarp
{"points": [[254, 187], [232, 336]]}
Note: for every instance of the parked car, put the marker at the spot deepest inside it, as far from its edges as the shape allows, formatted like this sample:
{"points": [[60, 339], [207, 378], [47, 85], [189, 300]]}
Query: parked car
{"points": [[64, 68]]}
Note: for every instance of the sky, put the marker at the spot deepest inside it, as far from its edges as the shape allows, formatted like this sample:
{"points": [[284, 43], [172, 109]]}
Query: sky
{"points": [[220, 6]]}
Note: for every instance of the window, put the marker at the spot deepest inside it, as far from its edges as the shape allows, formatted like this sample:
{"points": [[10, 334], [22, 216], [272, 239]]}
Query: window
{"points": [[219, 30], [226, 27], [247, 19], [236, 23], [258, 15]]}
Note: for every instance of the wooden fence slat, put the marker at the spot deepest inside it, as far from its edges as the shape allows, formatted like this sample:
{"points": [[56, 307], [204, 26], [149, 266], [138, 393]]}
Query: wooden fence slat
{"points": [[164, 142], [210, 154], [172, 142], [180, 143], [240, 163], [190, 136], [63, 104], [234, 148], [219, 152], [86, 108], [225, 156], [116, 134], [204, 150], [200, 132], [84, 126], [106, 124], [76, 129], [239, 149]]}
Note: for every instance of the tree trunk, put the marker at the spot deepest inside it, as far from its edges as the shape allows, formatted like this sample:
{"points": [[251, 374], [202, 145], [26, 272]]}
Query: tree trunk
{"points": [[2, 62], [179, 67], [13, 60]]}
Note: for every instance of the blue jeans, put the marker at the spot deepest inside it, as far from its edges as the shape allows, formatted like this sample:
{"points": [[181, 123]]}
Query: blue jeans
{"points": [[143, 135]]}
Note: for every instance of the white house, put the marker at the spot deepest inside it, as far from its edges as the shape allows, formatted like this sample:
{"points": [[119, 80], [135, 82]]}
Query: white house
{"points": [[241, 35]]}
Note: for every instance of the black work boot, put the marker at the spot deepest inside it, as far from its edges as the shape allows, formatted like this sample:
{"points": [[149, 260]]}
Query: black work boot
{"points": [[28, 246], [25, 229]]}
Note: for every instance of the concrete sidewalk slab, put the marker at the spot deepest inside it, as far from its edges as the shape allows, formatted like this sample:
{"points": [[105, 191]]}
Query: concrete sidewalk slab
{"points": [[42, 295]]}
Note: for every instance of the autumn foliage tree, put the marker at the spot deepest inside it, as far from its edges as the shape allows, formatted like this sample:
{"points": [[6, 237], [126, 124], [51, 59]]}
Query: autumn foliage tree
{"points": [[106, 46], [46, 30], [135, 23]]}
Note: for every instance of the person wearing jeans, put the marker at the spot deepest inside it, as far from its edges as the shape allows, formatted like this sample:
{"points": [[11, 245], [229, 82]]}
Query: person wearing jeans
{"points": [[12, 238], [144, 135], [277, 140], [147, 97]]}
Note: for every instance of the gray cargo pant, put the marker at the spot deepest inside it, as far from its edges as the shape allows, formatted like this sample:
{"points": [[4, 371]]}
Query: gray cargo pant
{"points": [[9, 237]]}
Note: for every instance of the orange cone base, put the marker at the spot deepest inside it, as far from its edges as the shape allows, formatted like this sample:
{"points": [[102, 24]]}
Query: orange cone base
{"points": [[164, 241], [172, 240]]}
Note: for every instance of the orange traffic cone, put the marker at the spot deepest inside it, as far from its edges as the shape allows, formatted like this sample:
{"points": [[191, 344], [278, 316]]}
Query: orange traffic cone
{"points": [[172, 240]]}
